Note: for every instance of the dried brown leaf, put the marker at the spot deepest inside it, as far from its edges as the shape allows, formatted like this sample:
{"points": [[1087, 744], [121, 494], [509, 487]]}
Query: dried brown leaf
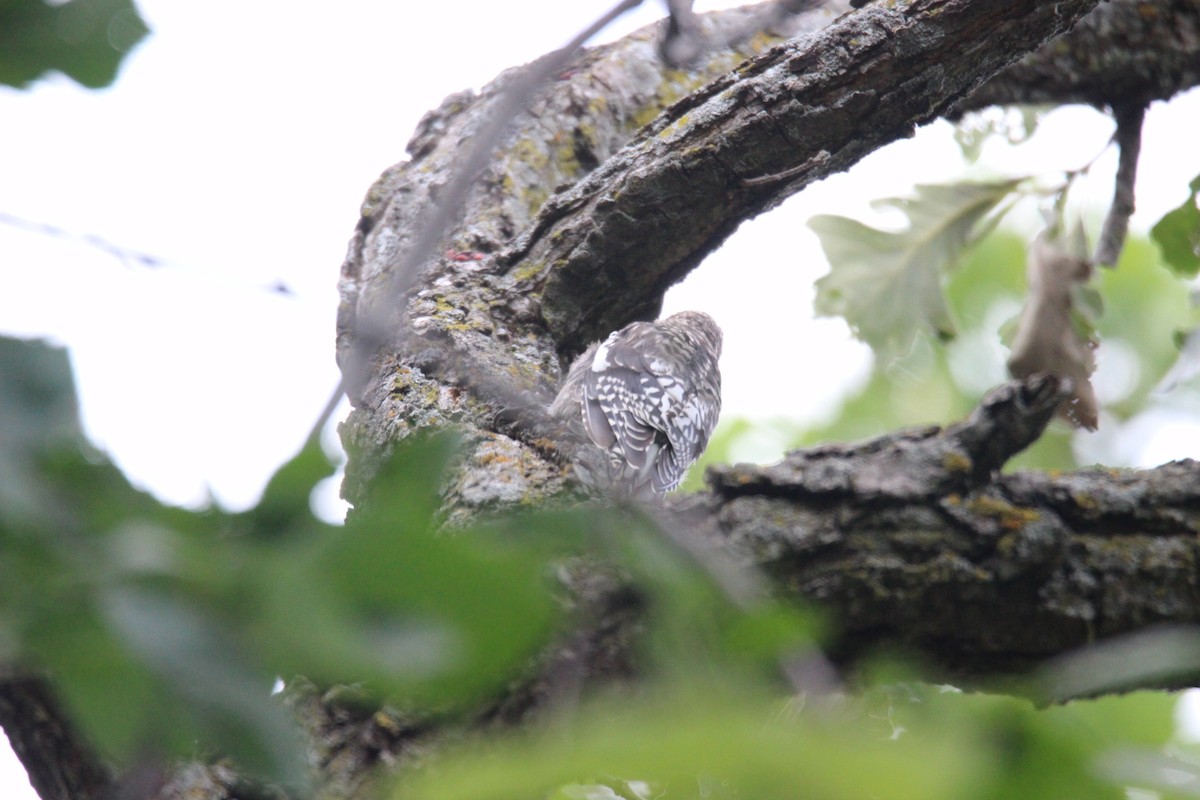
{"points": [[1047, 339]]}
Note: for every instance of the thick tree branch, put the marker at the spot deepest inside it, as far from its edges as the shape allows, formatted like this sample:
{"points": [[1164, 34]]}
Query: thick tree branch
{"points": [[911, 540], [1126, 52], [468, 321], [812, 106], [597, 202], [630, 217], [603, 252], [60, 764]]}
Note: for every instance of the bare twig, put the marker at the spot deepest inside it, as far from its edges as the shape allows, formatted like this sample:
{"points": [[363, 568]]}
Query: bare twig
{"points": [[1128, 137], [128, 256], [374, 330], [774, 14], [917, 463], [1160, 656]]}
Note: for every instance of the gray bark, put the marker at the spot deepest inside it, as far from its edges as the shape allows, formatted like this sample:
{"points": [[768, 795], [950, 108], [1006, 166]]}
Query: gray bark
{"points": [[917, 543], [1126, 53], [652, 168], [61, 765], [615, 183]]}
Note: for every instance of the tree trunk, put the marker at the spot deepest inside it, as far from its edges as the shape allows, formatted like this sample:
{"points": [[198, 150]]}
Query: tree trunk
{"points": [[614, 183], [619, 179], [651, 169]]}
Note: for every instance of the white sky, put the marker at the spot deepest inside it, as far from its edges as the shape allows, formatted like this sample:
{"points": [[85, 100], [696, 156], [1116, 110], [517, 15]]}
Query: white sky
{"points": [[237, 144]]}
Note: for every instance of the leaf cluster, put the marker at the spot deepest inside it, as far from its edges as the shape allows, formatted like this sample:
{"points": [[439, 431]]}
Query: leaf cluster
{"points": [[1148, 313], [164, 630], [84, 39]]}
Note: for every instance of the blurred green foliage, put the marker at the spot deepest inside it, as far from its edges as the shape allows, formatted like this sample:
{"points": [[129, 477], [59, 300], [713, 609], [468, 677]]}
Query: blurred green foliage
{"points": [[905, 740], [1178, 234], [164, 630], [1146, 307], [84, 39]]}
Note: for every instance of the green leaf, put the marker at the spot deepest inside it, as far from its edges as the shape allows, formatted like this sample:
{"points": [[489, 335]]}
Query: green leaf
{"points": [[37, 398], [37, 413], [1178, 234], [226, 697], [145, 676], [1187, 365], [1144, 719], [389, 601], [888, 285], [85, 39], [705, 743], [285, 504]]}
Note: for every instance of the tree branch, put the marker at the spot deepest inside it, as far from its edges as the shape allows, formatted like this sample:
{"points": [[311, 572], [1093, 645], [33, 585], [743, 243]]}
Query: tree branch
{"points": [[597, 253], [60, 764], [1129, 145], [526, 278], [1126, 52], [619, 179], [467, 321], [626, 223], [912, 540]]}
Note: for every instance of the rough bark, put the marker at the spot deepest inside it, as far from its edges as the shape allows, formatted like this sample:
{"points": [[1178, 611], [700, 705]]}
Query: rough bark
{"points": [[641, 196], [615, 183], [914, 541], [523, 281], [60, 764], [1125, 53], [749, 139]]}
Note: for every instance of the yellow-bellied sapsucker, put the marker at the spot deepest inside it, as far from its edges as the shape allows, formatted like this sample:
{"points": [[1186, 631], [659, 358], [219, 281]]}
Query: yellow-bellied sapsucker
{"points": [[650, 395]]}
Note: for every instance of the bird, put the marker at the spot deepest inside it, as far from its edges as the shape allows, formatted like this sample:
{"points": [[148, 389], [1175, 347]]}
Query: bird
{"points": [[649, 395]]}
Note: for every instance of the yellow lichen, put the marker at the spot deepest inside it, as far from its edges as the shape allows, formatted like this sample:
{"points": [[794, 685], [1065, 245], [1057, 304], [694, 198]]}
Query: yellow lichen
{"points": [[492, 457], [955, 461], [1085, 501], [535, 198], [566, 162], [1009, 517], [528, 271], [530, 153], [645, 115], [674, 127]]}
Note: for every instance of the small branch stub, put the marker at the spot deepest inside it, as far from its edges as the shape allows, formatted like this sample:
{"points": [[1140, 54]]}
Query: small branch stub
{"points": [[1128, 137]]}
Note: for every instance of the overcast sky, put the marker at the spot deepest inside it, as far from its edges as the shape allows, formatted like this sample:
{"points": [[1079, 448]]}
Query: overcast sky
{"points": [[236, 146]]}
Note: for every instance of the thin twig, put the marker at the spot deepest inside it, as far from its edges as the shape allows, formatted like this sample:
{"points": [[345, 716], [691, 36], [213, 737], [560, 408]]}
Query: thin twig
{"points": [[128, 256], [1128, 137], [774, 14], [373, 330]]}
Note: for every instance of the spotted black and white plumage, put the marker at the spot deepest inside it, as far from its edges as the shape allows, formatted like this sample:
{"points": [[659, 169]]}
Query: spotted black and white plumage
{"points": [[650, 395]]}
